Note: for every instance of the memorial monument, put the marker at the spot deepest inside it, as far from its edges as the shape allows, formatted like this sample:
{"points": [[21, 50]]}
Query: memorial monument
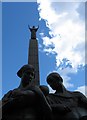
{"points": [[33, 58], [28, 102], [32, 101]]}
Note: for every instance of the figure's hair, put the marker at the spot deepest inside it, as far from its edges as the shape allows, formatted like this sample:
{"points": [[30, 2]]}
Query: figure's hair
{"points": [[24, 68], [54, 76]]}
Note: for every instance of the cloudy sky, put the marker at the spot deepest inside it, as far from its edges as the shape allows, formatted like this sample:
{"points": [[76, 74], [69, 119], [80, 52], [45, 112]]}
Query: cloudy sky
{"points": [[61, 38], [66, 23]]}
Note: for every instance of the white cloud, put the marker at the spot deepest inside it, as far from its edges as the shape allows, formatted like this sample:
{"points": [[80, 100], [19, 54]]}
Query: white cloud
{"points": [[67, 33], [65, 75]]}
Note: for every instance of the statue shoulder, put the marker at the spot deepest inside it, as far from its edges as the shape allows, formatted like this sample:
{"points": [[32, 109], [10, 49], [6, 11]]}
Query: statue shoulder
{"points": [[7, 94], [50, 96], [79, 94]]}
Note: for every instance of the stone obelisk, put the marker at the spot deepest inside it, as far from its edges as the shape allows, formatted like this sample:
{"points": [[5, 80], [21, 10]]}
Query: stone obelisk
{"points": [[33, 57]]}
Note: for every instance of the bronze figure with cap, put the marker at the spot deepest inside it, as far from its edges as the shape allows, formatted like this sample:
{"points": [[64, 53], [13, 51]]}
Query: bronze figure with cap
{"points": [[27, 100], [65, 104]]}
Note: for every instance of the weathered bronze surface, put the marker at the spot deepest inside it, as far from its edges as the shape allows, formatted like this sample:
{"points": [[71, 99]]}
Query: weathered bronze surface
{"points": [[65, 105], [27, 102], [31, 102]]}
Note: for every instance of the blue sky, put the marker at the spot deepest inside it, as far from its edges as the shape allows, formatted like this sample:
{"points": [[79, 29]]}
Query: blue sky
{"points": [[1, 49], [60, 36]]}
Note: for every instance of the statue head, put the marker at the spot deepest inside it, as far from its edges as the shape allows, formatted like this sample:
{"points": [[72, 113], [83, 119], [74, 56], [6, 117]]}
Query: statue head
{"points": [[54, 80], [33, 27], [26, 73]]}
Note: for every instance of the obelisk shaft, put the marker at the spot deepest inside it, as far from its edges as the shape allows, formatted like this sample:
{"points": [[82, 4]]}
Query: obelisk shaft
{"points": [[33, 57]]}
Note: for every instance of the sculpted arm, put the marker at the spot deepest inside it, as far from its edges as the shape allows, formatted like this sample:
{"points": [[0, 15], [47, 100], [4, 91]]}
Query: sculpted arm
{"points": [[7, 97], [29, 28], [24, 93], [44, 103]]}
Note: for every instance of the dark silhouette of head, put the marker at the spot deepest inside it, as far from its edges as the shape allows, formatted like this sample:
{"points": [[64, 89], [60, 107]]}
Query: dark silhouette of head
{"points": [[54, 80], [26, 73], [33, 27], [25, 68]]}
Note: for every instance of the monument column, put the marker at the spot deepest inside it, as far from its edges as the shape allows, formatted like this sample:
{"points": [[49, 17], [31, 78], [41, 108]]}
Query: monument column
{"points": [[33, 57]]}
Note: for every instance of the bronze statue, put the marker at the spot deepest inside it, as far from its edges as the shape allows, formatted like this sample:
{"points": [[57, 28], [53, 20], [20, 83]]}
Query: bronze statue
{"points": [[65, 105], [31, 102], [27, 102], [33, 31]]}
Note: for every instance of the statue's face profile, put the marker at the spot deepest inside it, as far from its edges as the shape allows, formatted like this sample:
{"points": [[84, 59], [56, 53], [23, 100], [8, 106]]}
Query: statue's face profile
{"points": [[54, 80], [27, 76], [55, 84]]}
